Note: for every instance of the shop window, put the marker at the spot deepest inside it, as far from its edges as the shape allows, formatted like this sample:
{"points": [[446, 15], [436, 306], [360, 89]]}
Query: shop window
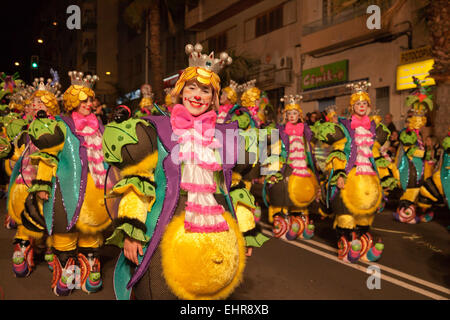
{"points": [[325, 103]]}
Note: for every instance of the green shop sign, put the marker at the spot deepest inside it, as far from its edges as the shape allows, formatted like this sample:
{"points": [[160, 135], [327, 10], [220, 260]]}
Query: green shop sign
{"points": [[325, 75]]}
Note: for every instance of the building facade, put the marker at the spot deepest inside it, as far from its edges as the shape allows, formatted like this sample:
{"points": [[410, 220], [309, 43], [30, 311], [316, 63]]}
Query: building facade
{"points": [[267, 30], [317, 47]]}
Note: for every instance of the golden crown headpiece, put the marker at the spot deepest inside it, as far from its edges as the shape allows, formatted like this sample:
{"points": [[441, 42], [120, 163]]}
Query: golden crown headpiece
{"points": [[247, 86], [208, 62], [292, 102], [359, 87], [76, 78], [359, 92], [20, 94], [331, 109], [146, 91], [233, 85], [51, 86]]}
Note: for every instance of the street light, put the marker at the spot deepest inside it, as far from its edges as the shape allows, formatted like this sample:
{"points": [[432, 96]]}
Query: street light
{"points": [[16, 64], [108, 73], [40, 41], [55, 23]]}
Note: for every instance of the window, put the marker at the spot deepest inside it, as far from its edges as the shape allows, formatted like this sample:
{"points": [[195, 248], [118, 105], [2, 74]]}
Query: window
{"points": [[191, 4], [325, 103], [269, 21], [218, 43], [382, 100]]}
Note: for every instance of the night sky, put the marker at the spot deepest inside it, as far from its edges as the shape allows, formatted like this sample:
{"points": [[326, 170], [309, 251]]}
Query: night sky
{"points": [[19, 20]]}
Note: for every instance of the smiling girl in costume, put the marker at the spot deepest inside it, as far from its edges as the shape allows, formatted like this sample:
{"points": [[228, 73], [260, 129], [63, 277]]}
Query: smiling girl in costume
{"points": [[176, 171], [354, 189], [66, 199]]}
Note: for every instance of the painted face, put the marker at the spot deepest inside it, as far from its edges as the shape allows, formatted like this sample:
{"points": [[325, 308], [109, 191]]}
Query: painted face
{"points": [[293, 116], [361, 108], [37, 105], [224, 99], [28, 109], [85, 107], [197, 97]]}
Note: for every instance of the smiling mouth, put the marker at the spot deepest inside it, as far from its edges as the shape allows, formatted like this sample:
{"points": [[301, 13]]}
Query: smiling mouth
{"points": [[196, 104]]}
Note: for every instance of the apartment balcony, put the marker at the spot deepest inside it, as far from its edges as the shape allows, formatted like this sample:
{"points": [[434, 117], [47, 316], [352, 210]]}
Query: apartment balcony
{"points": [[211, 12], [347, 28]]}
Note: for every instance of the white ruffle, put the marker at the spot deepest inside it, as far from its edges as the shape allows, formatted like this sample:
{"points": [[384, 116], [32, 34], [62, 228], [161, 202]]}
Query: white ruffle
{"points": [[364, 142], [296, 144]]}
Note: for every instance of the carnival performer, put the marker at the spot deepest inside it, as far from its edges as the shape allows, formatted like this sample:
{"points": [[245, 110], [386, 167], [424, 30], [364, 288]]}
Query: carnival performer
{"points": [[228, 100], [410, 157], [66, 198], [146, 103], [168, 100], [435, 191], [354, 190], [26, 242], [295, 186], [178, 191]]}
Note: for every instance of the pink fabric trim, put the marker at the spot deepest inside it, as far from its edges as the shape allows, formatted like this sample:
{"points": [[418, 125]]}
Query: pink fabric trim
{"points": [[366, 173], [303, 175], [368, 135], [192, 187], [206, 210], [296, 140], [84, 134], [299, 168], [368, 155], [363, 164], [364, 143], [297, 158], [92, 146], [99, 172], [297, 150], [223, 226], [95, 160]]}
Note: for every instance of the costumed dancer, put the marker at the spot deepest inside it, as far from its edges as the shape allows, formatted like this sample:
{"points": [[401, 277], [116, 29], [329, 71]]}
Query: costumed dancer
{"points": [[293, 188], [70, 183], [146, 103], [410, 157], [354, 191], [228, 100], [435, 191], [168, 100], [178, 225], [26, 242]]}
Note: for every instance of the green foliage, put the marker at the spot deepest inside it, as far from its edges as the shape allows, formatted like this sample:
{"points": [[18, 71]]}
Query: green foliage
{"points": [[240, 69]]}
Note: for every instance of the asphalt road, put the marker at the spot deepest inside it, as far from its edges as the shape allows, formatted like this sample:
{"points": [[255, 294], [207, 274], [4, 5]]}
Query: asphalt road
{"points": [[415, 265]]}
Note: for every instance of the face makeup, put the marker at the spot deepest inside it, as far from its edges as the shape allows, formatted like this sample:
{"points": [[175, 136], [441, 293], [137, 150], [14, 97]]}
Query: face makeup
{"points": [[85, 107], [197, 97]]}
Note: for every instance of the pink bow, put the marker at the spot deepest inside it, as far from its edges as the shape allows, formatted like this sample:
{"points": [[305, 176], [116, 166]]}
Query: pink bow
{"points": [[225, 108], [294, 129], [182, 120], [82, 122], [360, 122]]}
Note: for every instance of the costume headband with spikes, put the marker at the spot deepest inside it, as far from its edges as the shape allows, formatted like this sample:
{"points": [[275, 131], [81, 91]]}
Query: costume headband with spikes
{"points": [[420, 98], [292, 102], [360, 93]]}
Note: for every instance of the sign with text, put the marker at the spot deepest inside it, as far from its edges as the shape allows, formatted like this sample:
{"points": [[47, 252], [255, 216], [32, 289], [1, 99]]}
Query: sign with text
{"points": [[326, 75], [419, 54], [420, 70]]}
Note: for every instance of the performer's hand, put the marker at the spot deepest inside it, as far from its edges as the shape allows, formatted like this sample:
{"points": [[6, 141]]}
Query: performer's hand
{"points": [[43, 195], [273, 179], [341, 183], [131, 248]]}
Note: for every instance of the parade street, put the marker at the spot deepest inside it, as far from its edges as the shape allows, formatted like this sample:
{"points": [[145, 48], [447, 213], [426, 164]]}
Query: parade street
{"points": [[414, 265]]}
